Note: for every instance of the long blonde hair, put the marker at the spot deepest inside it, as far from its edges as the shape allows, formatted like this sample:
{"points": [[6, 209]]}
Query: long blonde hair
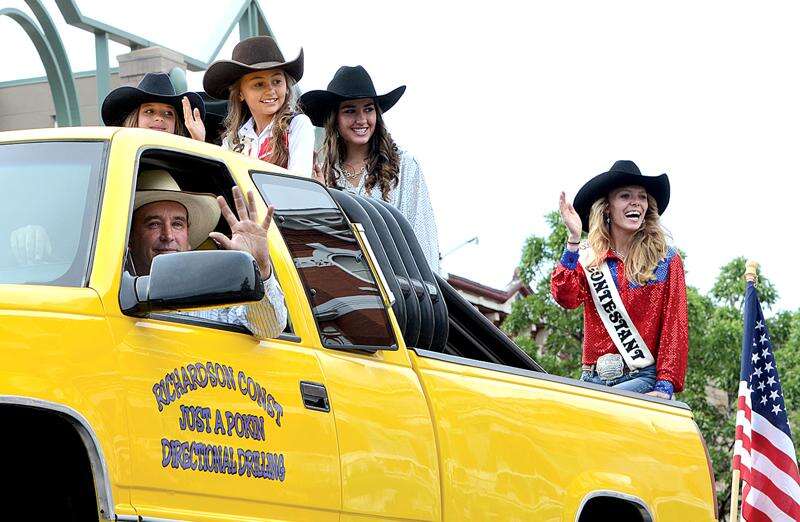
{"points": [[239, 113], [383, 160], [648, 245], [132, 121]]}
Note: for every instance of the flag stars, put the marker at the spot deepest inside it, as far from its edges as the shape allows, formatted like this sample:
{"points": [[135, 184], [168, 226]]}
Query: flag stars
{"points": [[774, 395], [760, 325], [763, 339], [776, 409], [768, 367], [755, 358], [765, 353], [763, 399], [757, 372], [771, 381], [761, 386]]}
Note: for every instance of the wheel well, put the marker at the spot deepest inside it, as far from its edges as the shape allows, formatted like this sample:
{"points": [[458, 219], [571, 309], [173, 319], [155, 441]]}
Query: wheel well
{"points": [[611, 506], [51, 473]]}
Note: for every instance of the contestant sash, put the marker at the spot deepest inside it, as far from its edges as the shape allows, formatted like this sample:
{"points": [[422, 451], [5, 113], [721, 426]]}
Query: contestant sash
{"points": [[615, 318]]}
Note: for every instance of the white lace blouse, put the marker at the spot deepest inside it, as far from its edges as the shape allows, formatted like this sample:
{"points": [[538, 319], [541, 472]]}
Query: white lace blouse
{"points": [[411, 198]]}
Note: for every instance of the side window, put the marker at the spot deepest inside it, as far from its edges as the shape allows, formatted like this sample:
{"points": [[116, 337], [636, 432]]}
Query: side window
{"points": [[174, 209], [341, 288], [51, 192]]}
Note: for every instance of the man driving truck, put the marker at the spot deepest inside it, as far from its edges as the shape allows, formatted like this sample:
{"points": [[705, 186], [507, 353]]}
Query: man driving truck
{"points": [[168, 220]]}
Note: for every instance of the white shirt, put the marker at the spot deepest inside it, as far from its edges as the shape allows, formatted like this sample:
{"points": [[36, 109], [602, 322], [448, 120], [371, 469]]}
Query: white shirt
{"points": [[266, 318], [301, 143]]}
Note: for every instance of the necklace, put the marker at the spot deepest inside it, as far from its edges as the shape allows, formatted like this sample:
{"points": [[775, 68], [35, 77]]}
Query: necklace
{"points": [[618, 254], [350, 172]]}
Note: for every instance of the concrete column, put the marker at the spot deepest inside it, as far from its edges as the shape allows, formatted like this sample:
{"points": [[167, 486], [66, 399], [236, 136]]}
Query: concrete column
{"points": [[135, 64]]}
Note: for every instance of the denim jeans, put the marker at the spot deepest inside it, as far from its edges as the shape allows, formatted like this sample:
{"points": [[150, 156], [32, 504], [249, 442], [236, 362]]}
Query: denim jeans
{"points": [[639, 381]]}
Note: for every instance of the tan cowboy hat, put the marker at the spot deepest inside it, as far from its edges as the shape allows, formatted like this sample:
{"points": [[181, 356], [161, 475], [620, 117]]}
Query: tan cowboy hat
{"points": [[258, 53], [202, 209]]}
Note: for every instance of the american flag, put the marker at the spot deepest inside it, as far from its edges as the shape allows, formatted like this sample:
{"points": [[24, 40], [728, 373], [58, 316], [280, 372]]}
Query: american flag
{"points": [[763, 451]]}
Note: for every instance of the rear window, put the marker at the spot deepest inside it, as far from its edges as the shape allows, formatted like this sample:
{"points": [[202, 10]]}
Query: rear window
{"points": [[344, 296], [50, 196]]}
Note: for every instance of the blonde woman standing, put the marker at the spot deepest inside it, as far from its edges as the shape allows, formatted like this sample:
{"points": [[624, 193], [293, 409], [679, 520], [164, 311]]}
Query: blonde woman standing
{"points": [[629, 280], [262, 122], [359, 155]]}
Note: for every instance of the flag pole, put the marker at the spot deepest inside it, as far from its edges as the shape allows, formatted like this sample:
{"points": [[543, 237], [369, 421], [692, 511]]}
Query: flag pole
{"points": [[735, 480], [751, 276]]}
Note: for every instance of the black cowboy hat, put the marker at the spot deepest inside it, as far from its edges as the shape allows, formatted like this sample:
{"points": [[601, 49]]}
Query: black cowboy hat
{"points": [[259, 53], [349, 83], [621, 174], [154, 88]]}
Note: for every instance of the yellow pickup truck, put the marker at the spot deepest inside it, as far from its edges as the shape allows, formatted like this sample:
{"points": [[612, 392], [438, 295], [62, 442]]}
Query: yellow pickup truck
{"points": [[387, 397]]}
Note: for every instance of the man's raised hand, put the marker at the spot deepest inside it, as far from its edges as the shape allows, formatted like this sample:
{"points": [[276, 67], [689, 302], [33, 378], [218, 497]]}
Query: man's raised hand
{"points": [[248, 234]]}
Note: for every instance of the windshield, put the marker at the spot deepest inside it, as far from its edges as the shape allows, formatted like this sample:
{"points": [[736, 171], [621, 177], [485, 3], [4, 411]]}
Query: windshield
{"points": [[50, 195], [344, 296]]}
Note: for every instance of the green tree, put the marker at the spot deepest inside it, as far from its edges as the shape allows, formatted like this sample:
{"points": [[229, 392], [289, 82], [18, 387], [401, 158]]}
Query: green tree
{"points": [[553, 335]]}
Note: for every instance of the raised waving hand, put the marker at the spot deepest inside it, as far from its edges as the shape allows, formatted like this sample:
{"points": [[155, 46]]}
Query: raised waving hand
{"points": [[571, 218], [248, 234], [193, 121]]}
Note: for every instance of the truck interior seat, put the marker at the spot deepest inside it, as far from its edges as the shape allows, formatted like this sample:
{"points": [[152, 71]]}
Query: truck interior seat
{"points": [[417, 257], [425, 292], [356, 214], [398, 269], [427, 316]]}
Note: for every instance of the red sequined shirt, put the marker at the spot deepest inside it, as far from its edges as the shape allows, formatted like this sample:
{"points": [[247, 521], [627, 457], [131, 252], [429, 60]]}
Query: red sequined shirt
{"points": [[658, 309]]}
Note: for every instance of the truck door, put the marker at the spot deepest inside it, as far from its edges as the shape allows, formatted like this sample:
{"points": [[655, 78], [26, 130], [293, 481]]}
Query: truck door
{"points": [[224, 425], [388, 452]]}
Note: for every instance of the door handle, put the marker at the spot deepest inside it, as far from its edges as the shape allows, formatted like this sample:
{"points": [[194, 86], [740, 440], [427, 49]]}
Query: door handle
{"points": [[315, 396]]}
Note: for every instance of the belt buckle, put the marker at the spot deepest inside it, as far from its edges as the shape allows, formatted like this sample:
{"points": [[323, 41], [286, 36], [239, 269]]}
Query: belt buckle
{"points": [[610, 366]]}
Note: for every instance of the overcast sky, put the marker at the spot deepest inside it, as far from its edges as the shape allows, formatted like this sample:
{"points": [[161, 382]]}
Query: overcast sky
{"points": [[509, 103]]}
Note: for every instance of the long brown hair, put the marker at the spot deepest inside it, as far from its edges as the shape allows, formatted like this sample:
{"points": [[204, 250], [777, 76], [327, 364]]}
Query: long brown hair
{"points": [[239, 113], [383, 159], [648, 245], [132, 121]]}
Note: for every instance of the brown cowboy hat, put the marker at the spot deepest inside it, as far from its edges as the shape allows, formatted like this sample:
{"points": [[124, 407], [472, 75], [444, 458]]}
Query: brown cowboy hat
{"points": [[259, 53]]}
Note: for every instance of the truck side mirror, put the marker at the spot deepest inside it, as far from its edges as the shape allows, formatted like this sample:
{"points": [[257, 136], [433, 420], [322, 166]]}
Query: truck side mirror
{"points": [[186, 280]]}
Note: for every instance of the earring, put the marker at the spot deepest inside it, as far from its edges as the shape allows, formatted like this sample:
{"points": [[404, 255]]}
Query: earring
{"points": [[608, 220]]}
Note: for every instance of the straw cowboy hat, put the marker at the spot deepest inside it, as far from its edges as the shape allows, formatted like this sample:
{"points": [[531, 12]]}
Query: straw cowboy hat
{"points": [[349, 83], [259, 53], [154, 88], [202, 209], [621, 174]]}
